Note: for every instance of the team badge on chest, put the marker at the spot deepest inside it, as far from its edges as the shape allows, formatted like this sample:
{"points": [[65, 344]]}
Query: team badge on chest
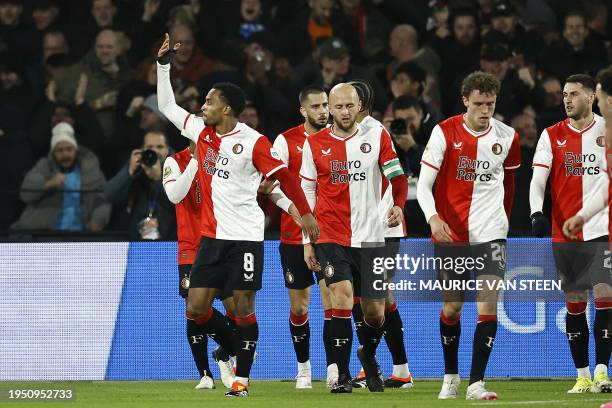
{"points": [[496, 149], [365, 148], [238, 148]]}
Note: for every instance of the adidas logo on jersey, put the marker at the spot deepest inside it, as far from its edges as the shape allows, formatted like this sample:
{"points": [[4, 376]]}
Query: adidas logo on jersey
{"points": [[326, 152], [561, 143]]}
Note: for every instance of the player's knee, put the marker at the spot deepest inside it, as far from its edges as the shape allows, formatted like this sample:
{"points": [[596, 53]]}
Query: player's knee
{"points": [[576, 296], [197, 309], [299, 308], [244, 303], [602, 290], [452, 310]]}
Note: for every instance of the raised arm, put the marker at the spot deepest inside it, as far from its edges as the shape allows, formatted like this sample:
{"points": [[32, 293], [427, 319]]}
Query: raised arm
{"points": [[189, 125]]}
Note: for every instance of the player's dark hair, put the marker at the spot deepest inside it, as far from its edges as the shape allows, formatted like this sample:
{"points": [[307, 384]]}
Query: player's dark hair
{"points": [[585, 80], [480, 81], [604, 77], [406, 102], [310, 90], [365, 94], [232, 95]]}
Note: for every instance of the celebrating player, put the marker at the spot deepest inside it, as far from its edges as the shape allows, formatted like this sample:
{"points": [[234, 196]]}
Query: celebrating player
{"points": [[183, 190], [342, 171], [232, 159], [572, 153], [394, 331], [298, 278], [471, 158]]}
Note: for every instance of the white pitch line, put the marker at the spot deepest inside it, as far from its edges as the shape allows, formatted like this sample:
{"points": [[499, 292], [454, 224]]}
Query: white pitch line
{"points": [[563, 402]]}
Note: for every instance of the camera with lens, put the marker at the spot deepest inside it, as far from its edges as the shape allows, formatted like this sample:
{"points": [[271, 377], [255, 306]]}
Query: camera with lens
{"points": [[148, 158], [399, 127]]}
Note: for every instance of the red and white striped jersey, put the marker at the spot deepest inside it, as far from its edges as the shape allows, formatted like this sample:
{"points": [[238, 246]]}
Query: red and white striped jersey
{"points": [[386, 203], [469, 187], [188, 210], [289, 145], [577, 163], [231, 167], [348, 173]]}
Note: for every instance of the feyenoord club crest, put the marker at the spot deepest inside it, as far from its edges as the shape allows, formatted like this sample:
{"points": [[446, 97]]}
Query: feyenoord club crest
{"points": [[289, 277], [329, 271], [496, 149], [185, 283], [366, 148], [238, 148], [601, 141]]}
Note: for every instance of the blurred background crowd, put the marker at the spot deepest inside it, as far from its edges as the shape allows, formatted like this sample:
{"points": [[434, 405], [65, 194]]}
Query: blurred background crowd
{"points": [[78, 100]]}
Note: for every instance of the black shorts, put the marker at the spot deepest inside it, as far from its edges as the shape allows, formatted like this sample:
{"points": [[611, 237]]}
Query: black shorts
{"points": [[220, 263], [464, 261], [391, 250], [340, 263], [580, 265], [185, 280], [296, 273]]}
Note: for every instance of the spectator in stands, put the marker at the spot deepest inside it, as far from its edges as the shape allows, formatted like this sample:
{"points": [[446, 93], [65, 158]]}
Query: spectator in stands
{"points": [[410, 79], [577, 52], [137, 192], [460, 51], [412, 111], [553, 110], [54, 42], [62, 191], [250, 116], [505, 21], [189, 64], [525, 125], [102, 16], [318, 21], [404, 47], [371, 25], [45, 14], [14, 35], [105, 75]]}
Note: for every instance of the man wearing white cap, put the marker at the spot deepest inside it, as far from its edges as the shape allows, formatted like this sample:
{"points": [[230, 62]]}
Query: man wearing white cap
{"points": [[60, 191]]}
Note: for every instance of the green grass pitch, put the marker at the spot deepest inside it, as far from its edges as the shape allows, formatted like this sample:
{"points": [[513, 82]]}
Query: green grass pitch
{"points": [[181, 394]]}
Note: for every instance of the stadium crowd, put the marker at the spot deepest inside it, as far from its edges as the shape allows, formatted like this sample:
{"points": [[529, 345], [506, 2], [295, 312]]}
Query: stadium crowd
{"points": [[79, 115]]}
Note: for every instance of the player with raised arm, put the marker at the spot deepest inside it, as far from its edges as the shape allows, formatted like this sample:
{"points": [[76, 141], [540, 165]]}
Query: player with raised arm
{"points": [[471, 159], [183, 190], [572, 154], [232, 160], [394, 330], [314, 108], [342, 172]]}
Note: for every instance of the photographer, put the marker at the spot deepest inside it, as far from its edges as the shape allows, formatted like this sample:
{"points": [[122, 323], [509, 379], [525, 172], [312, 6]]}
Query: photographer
{"points": [[137, 192], [410, 128]]}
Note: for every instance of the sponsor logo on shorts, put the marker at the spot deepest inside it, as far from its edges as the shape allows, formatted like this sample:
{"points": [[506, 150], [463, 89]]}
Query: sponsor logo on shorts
{"points": [[329, 271], [185, 283], [601, 141], [366, 148], [289, 277], [248, 277], [238, 148], [496, 149]]}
